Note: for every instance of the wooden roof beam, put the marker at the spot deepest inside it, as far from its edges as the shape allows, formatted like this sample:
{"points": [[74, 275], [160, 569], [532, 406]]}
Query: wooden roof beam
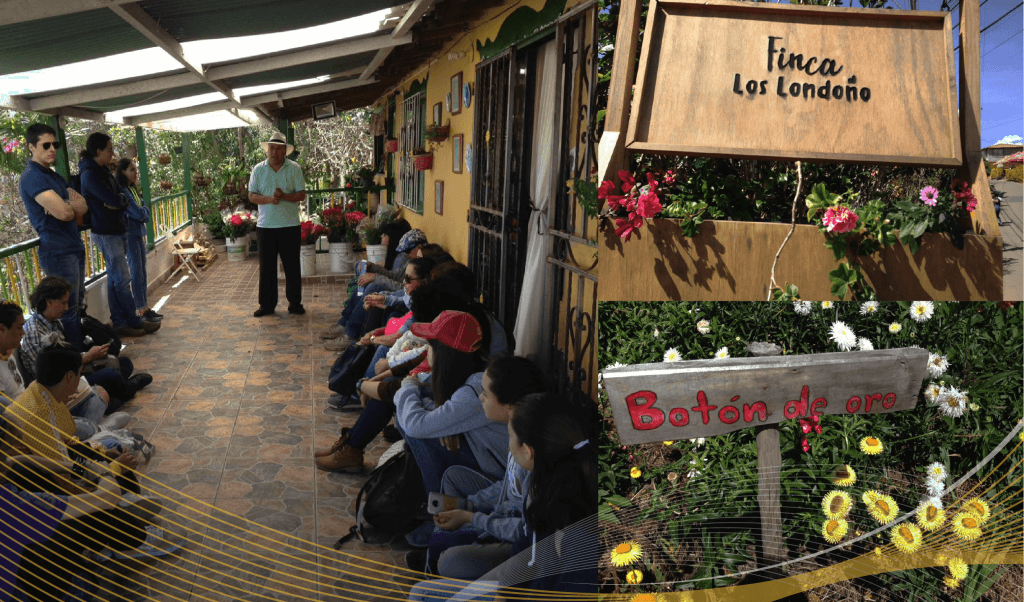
{"points": [[412, 16], [87, 95]]}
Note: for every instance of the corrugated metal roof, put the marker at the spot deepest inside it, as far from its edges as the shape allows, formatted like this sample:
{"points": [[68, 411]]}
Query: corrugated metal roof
{"points": [[66, 39], [299, 72], [124, 102]]}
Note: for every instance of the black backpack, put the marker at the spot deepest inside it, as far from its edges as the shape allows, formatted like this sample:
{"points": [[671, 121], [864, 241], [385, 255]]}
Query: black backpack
{"points": [[100, 334], [390, 501], [349, 368]]}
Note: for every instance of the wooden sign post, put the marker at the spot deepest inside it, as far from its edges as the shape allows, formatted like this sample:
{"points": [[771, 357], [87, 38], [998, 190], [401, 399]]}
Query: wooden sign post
{"points": [[703, 398]]}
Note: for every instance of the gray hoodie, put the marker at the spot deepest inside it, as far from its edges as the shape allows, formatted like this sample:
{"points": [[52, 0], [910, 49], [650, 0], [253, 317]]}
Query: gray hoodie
{"points": [[461, 415], [498, 509]]}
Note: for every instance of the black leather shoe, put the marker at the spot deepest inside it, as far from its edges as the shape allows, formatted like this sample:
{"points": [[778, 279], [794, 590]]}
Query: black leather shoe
{"points": [[140, 380], [416, 560], [259, 313], [297, 310]]}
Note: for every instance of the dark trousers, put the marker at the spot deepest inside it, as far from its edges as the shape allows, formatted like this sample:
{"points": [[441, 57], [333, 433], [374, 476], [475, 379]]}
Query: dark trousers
{"points": [[272, 243]]}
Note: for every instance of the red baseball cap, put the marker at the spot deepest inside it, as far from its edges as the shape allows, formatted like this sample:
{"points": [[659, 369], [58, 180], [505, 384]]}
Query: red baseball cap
{"points": [[456, 329]]}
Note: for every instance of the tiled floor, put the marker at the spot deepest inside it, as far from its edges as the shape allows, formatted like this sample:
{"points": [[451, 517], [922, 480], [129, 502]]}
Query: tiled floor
{"points": [[236, 408]]}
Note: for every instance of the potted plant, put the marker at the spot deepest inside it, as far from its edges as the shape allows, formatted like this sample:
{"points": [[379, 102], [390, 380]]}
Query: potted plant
{"points": [[391, 145], [342, 233], [370, 232], [164, 159], [309, 233], [422, 159], [437, 132], [238, 225], [365, 176], [166, 185]]}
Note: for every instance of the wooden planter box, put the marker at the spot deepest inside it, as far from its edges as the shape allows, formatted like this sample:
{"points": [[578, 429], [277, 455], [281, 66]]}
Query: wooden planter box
{"points": [[423, 162], [391, 146], [732, 261]]}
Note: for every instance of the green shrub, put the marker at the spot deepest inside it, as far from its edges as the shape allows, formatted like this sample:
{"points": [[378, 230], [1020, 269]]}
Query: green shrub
{"points": [[996, 173], [1016, 174]]}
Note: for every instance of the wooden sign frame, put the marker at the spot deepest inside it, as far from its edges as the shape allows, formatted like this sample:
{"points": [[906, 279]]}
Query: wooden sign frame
{"points": [[926, 138], [703, 398]]}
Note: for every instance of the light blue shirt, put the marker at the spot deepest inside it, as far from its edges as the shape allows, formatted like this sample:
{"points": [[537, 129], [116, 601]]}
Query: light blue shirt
{"points": [[264, 180]]}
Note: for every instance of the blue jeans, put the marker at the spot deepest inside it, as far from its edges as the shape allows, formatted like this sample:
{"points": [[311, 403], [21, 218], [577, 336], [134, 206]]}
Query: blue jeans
{"points": [[115, 382], [71, 267], [381, 353], [434, 459], [119, 290], [88, 414], [440, 590], [354, 325], [137, 265]]}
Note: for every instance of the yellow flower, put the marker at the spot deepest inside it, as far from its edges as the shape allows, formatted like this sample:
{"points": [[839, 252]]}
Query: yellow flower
{"points": [[883, 509], [634, 576], [635, 472], [978, 507], [930, 516], [836, 504], [957, 568], [626, 553], [869, 496], [951, 582], [647, 598], [966, 526], [834, 529], [871, 446], [906, 537], [878, 551], [668, 442], [844, 476], [826, 304]]}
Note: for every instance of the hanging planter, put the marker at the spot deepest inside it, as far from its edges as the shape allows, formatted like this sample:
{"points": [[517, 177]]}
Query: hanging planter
{"points": [[391, 145], [437, 133], [166, 185], [422, 161], [229, 189], [164, 159]]}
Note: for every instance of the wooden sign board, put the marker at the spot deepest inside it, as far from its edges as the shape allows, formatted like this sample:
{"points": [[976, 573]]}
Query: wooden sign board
{"points": [[702, 398], [790, 82]]}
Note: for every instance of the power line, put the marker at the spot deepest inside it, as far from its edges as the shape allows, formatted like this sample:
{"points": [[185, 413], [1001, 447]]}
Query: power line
{"points": [[992, 24], [1013, 37]]}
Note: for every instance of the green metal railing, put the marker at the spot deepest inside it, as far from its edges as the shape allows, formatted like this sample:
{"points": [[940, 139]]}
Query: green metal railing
{"points": [[20, 270], [169, 214], [317, 200]]}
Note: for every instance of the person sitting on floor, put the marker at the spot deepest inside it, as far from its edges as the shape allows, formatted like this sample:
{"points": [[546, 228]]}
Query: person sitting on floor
{"points": [[43, 328], [495, 515]]}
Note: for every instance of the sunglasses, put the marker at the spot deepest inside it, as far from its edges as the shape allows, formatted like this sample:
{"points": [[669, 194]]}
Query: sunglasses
{"points": [[47, 145], [409, 280]]}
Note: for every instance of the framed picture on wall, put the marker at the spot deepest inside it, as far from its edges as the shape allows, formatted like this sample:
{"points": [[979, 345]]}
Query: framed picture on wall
{"points": [[438, 197], [437, 114], [457, 153], [456, 93]]}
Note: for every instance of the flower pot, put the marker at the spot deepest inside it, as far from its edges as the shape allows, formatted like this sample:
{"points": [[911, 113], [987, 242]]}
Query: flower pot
{"points": [[323, 262], [423, 162], [166, 185], [341, 257], [164, 159], [229, 189], [376, 253], [307, 260], [237, 248], [439, 134], [391, 145]]}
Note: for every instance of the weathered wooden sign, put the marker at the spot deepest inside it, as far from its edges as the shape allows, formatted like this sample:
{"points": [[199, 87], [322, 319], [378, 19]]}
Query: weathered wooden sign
{"points": [[685, 400], [778, 81]]}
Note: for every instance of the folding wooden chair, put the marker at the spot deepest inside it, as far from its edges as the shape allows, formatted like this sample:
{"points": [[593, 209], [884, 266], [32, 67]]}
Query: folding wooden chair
{"points": [[187, 255]]}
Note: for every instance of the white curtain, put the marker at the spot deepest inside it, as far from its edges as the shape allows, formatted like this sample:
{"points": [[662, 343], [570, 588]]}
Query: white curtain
{"points": [[533, 322]]}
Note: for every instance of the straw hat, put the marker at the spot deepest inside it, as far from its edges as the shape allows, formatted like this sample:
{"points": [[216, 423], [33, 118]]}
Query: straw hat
{"points": [[278, 138]]}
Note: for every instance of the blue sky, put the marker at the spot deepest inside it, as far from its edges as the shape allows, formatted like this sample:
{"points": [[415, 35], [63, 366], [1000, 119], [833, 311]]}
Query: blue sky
{"points": [[1002, 84]]}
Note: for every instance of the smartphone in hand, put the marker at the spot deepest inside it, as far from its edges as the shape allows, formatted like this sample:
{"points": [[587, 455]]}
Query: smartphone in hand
{"points": [[437, 503]]}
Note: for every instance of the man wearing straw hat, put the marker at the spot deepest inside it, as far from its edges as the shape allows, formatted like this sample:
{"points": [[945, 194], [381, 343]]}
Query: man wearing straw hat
{"points": [[278, 186]]}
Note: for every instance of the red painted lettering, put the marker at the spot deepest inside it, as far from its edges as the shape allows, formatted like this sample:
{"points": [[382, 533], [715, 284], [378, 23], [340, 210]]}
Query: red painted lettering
{"points": [[820, 402], [851, 407], [641, 410], [889, 400], [759, 407], [727, 410], [703, 407], [796, 408], [869, 399], [679, 417]]}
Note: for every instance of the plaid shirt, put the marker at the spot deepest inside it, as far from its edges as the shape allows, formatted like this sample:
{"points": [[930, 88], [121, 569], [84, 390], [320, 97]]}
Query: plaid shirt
{"points": [[40, 333]]}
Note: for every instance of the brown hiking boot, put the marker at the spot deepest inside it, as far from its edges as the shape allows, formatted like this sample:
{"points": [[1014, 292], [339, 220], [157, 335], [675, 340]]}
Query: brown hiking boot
{"points": [[150, 327], [128, 331], [346, 459], [342, 440]]}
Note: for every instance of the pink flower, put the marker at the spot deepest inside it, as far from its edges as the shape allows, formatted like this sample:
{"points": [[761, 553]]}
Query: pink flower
{"points": [[236, 220], [929, 196], [648, 205], [607, 187], [965, 196], [615, 201], [840, 219], [624, 228], [670, 177], [627, 180]]}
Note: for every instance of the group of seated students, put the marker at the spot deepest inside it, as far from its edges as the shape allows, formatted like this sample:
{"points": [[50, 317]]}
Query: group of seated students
{"points": [[480, 423], [69, 503]]}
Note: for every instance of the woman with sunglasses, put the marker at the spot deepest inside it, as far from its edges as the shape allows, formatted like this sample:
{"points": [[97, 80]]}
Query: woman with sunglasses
{"points": [[107, 205]]}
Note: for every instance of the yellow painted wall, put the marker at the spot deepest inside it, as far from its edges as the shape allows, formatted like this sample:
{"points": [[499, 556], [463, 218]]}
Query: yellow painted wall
{"points": [[450, 229]]}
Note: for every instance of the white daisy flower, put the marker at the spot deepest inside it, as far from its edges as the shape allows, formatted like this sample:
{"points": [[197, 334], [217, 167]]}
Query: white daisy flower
{"points": [[975, 407], [895, 327], [935, 488], [703, 326], [864, 344], [672, 355], [931, 392], [935, 472], [656, 333], [600, 375], [922, 311], [952, 402], [843, 336], [699, 441], [937, 364], [826, 305], [802, 307], [929, 499], [722, 353], [868, 307], [693, 472]]}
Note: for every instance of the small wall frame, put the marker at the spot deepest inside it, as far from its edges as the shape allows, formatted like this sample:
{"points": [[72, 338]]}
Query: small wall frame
{"points": [[457, 153], [456, 93], [439, 197]]}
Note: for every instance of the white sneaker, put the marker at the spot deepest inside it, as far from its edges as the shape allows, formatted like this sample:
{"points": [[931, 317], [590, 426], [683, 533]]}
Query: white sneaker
{"points": [[335, 331], [115, 421]]}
